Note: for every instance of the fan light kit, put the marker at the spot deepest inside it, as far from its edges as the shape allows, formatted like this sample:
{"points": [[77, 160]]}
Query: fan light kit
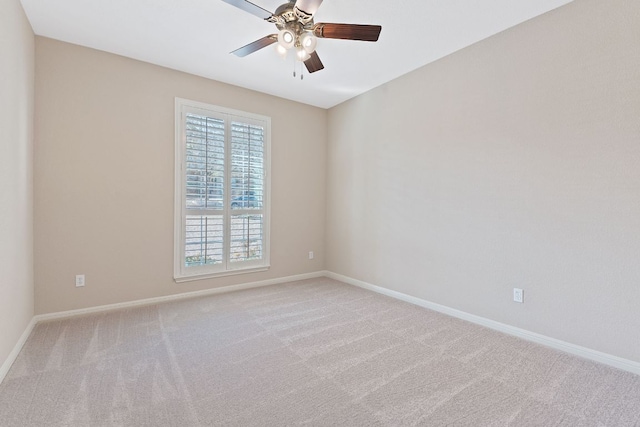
{"points": [[296, 30]]}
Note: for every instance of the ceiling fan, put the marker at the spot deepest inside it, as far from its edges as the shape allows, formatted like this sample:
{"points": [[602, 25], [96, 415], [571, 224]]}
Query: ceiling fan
{"points": [[296, 30]]}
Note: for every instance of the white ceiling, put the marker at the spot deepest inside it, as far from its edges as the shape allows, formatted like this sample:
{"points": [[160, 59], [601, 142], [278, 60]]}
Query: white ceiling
{"points": [[196, 36]]}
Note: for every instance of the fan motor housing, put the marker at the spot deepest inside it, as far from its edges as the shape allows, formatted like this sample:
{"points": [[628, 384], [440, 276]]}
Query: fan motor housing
{"points": [[286, 18]]}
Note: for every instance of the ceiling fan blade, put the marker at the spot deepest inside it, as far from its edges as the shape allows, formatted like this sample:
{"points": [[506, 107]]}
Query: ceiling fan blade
{"points": [[313, 64], [256, 45], [253, 9], [368, 33], [305, 9]]}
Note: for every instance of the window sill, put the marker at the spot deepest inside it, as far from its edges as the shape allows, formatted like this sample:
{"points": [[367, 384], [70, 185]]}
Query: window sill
{"points": [[193, 277]]}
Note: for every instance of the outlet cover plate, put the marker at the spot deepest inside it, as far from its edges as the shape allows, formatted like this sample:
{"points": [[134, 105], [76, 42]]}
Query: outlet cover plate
{"points": [[518, 295]]}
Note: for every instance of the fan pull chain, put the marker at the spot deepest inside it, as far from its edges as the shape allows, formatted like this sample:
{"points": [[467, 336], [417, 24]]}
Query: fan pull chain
{"points": [[294, 69]]}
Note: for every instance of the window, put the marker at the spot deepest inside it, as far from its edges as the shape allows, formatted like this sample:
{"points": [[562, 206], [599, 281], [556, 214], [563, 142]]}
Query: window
{"points": [[222, 191]]}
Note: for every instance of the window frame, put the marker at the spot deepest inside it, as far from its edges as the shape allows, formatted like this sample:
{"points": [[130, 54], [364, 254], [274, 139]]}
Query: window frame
{"points": [[227, 267]]}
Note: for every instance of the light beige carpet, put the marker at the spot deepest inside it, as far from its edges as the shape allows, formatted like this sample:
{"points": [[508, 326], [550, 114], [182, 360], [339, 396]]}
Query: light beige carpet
{"points": [[316, 352]]}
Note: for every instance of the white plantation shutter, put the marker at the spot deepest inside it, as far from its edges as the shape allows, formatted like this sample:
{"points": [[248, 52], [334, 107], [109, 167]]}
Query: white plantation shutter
{"points": [[204, 161], [204, 242], [204, 190], [247, 183], [221, 191]]}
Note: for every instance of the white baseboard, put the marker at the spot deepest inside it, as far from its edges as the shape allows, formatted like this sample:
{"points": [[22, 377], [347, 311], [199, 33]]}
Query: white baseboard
{"points": [[584, 352], [174, 297], [4, 369], [587, 353]]}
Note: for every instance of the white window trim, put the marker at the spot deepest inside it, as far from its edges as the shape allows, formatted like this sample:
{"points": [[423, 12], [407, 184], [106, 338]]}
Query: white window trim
{"points": [[180, 273]]}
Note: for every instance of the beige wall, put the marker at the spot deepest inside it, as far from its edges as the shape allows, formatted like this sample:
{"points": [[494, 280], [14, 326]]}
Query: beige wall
{"points": [[512, 163], [16, 174], [104, 170]]}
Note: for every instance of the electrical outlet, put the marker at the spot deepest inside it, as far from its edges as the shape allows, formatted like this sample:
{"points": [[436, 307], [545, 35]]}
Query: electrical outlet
{"points": [[310, 254], [518, 295], [79, 280]]}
